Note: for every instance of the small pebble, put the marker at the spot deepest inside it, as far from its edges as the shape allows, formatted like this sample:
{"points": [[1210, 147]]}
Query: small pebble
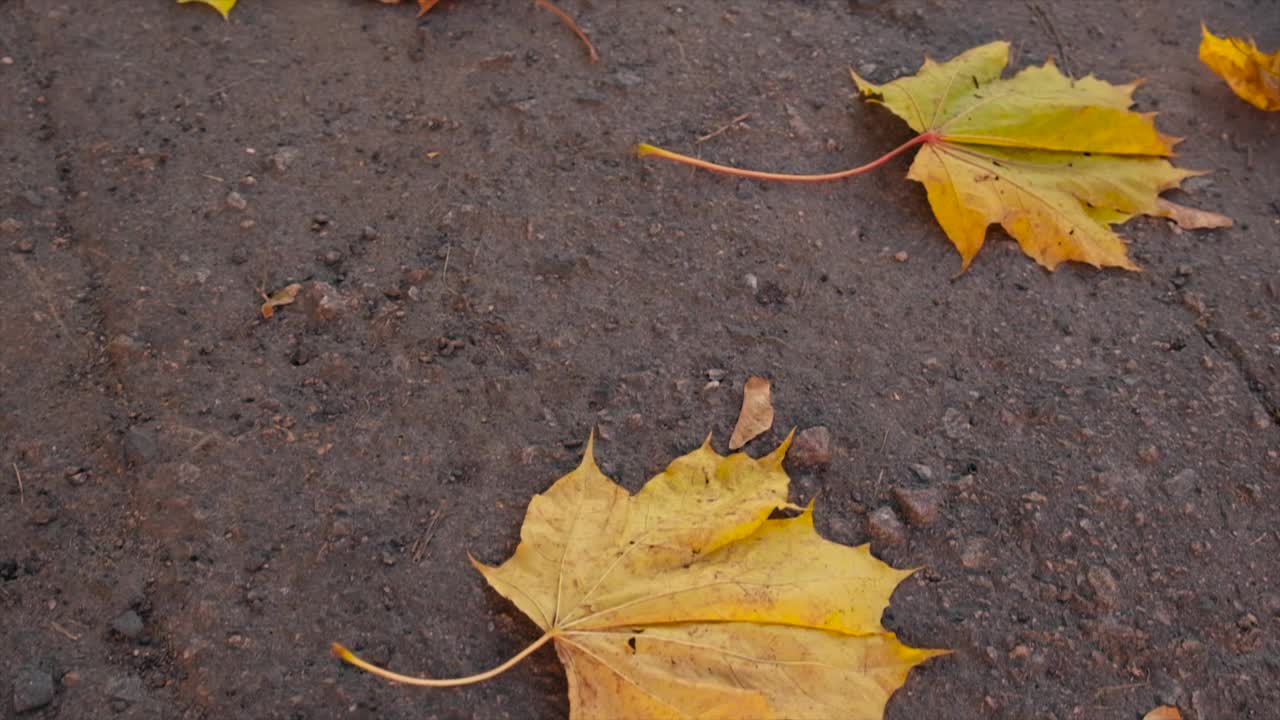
{"points": [[32, 689], [901, 256], [923, 472], [128, 624], [11, 225], [811, 448], [955, 424], [236, 201], [331, 257], [920, 506], [885, 528], [321, 301], [24, 246], [6, 60]]}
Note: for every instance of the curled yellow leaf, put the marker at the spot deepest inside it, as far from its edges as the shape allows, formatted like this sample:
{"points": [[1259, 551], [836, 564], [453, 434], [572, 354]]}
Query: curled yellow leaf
{"points": [[222, 6], [284, 296], [1251, 73]]}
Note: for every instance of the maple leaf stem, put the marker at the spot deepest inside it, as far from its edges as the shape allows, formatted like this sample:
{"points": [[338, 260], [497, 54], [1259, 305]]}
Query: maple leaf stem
{"points": [[643, 150], [571, 24], [350, 658]]}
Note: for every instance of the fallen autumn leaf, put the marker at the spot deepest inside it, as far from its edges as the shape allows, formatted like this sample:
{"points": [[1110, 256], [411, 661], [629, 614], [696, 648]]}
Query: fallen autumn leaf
{"points": [[1251, 73], [1055, 161], [688, 600]]}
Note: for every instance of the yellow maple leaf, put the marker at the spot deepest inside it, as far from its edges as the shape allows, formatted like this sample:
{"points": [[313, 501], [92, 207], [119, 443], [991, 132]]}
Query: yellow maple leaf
{"points": [[1251, 73], [688, 600], [222, 6], [1056, 161]]}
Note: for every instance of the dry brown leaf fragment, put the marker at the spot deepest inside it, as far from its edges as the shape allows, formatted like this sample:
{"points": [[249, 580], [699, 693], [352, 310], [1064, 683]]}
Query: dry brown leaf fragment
{"points": [[757, 412], [284, 296], [1164, 712]]}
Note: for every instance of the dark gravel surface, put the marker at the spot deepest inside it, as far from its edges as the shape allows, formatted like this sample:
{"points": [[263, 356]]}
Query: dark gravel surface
{"points": [[197, 500]]}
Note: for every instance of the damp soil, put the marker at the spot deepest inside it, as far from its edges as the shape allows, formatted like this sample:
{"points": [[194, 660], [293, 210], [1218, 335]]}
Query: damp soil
{"points": [[196, 501]]}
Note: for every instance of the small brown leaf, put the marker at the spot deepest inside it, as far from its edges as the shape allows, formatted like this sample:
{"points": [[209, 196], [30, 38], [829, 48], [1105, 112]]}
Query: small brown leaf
{"points": [[283, 296], [757, 412], [1164, 712]]}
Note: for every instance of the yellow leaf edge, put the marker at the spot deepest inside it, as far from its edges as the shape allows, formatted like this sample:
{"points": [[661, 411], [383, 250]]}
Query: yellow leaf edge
{"points": [[1251, 74], [222, 6], [911, 656]]}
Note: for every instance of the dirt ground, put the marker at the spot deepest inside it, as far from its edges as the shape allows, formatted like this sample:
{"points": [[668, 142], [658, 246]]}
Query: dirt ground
{"points": [[196, 501]]}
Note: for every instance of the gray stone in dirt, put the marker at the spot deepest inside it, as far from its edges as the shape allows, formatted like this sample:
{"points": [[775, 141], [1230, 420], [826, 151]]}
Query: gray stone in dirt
{"points": [[923, 472], [321, 301], [32, 689], [140, 446], [24, 246], [885, 528], [921, 506], [128, 624], [955, 424], [1105, 588], [127, 689], [811, 448], [1182, 484]]}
